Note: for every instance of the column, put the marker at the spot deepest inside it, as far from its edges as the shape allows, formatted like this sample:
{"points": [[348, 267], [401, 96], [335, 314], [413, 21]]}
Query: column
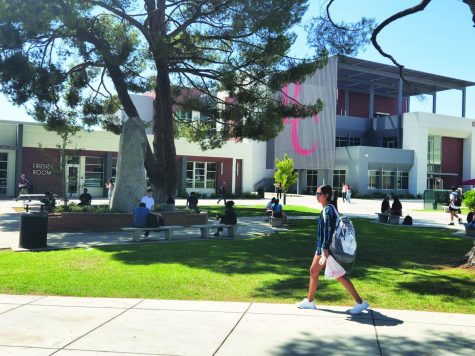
{"points": [[399, 99], [434, 103], [347, 102], [464, 100], [371, 102]]}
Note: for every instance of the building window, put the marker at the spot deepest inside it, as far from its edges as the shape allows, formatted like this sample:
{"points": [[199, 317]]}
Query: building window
{"points": [[339, 177], [196, 173], [3, 173], [114, 166], [344, 141], [402, 180], [341, 141], [374, 179], [390, 142], [184, 115], [389, 181], [312, 179], [94, 172]]}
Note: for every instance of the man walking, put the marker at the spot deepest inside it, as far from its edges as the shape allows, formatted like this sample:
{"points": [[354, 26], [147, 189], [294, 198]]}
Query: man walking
{"points": [[24, 184], [454, 205], [222, 193]]}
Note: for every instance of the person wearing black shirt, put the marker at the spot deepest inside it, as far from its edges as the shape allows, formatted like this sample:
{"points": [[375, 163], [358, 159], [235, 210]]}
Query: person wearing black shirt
{"points": [[85, 198], [385, 206], [229, 217]]}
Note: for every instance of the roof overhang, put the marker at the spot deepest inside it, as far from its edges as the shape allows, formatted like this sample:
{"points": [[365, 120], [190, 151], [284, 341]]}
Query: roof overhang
{"points": [[362, 75]]}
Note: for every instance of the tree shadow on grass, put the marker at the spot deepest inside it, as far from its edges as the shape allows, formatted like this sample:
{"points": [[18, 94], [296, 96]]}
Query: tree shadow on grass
{"points": [[289, 255]]}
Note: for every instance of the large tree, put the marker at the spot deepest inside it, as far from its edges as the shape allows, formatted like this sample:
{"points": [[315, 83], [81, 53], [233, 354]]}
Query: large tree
{"points": [[64, 53]]}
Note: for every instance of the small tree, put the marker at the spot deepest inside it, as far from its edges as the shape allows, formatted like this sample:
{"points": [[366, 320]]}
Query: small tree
{"points": [[285, 174], [469, 200]]}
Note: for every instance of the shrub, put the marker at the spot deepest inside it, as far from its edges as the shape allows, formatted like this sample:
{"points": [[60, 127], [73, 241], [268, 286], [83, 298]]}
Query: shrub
{"points": [[75, 208], [469, 199]]}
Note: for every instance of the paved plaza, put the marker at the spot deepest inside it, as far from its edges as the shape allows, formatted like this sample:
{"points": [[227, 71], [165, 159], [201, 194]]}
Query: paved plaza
{"points": [[72, 326]]}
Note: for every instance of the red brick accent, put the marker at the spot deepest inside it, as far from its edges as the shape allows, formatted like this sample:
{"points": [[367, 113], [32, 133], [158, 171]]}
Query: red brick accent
{"points": [[452, 160]]}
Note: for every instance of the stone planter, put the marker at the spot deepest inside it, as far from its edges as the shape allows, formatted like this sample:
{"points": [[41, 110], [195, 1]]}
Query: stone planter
{"points": [[72, 221]]}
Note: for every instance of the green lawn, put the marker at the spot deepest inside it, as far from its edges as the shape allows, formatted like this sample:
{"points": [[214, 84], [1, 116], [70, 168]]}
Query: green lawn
{"points": [[258, 210], [397, 267]]}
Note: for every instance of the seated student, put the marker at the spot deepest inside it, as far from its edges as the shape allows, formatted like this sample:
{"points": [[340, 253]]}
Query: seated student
{"points": [[268, 207], [277, 210], [229, 217], [470, 220], [396, 208], [170, 200], [140, 217], [192, 201], [49, 201], [385, 205], [85, 198]]}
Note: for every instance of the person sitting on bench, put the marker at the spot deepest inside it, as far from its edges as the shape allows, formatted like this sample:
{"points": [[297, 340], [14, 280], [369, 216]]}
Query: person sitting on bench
{"points": [[85, 198], [229, 217], [140, 217], [192, 202], [396, 208], [268, 207], [385, 206]]}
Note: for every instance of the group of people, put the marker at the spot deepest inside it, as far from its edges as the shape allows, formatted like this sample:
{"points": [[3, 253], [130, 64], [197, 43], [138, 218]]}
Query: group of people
{"points": [[394, 209], [346, 192], [274, 209]]}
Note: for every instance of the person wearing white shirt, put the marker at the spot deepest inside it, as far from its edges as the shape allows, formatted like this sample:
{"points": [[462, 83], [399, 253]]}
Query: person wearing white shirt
{"points": [[455, 205], [148, 199]]}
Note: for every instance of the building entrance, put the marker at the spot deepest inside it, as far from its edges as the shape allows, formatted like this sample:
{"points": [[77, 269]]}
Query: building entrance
{"points": [[72, 175]]}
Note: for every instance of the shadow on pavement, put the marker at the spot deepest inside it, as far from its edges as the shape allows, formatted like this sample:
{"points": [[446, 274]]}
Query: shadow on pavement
{"points": [[10, 222]]}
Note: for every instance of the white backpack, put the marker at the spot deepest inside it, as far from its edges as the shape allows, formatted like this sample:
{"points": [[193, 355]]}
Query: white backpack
{"points": [[343, 245]]}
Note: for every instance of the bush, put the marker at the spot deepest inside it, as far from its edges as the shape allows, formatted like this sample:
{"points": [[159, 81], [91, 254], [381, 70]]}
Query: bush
{"points": [[75, 208], [469, 199]]}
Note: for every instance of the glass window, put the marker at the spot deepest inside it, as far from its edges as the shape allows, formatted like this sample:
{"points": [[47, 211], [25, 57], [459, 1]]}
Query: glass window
{"points": [[184, 115], [201, 175], [374, 179], [312, 181], [3, 173], [354, 141], [341, 141], [94, 172], [72, 160], [402, 180], [390, 142], [114, 166], [339, 177], [388, 180]]}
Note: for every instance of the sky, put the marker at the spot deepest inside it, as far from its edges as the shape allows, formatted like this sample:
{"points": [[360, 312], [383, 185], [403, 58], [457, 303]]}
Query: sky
{"points": [[439, 40]]}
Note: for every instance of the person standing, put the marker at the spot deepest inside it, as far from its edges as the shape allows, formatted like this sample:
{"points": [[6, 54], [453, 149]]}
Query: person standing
{"points": [[454, 205], [343, 191], [110, 187], [325, 230], [148, 199], [348, 193], [222, 193], [278, 190], [24, 184]]}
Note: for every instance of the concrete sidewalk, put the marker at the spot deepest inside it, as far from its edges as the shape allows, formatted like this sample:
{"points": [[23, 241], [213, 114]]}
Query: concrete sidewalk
{"points": [[70, 326]]}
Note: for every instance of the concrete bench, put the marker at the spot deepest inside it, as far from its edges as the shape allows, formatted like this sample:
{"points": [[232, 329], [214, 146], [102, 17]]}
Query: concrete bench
{"points": [[30, 205], [137, 231], [276, 222], [204, 229], [388, 218], [468, 231]]}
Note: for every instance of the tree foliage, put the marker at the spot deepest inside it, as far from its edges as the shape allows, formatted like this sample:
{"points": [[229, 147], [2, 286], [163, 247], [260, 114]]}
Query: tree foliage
{"points": [[285, 173], [64, 54]]}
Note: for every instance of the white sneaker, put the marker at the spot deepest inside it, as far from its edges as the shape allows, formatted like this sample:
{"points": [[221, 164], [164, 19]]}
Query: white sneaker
{"points": [[305, 304], [358, 308]]}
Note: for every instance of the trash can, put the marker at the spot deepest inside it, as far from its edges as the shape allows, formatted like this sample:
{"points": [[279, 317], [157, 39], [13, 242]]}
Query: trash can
{"points": [[33, 230], [260, 192]]}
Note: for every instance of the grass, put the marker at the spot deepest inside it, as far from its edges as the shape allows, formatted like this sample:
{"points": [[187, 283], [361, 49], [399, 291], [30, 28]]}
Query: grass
{"points": [[398, 267], [258, 210]]}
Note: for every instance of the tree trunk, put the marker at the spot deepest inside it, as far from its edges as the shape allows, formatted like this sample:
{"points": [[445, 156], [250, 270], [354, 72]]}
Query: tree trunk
{"points": [[470, 257], [130, 184], [165, 183]]}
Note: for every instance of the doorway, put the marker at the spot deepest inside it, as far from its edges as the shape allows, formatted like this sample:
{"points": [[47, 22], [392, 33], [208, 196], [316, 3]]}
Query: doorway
{"points": [[72, 175]]}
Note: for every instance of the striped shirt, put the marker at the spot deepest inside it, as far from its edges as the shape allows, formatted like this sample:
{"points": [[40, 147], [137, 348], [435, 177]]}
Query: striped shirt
{"points": [[326, 227]]}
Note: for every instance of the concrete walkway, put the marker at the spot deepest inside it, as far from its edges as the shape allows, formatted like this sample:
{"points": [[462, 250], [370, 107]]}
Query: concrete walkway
{"points": [[70, 326]]}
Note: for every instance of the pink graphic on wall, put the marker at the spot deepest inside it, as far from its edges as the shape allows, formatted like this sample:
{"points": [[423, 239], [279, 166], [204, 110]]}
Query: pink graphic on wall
{"points": [[286, 99]]}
